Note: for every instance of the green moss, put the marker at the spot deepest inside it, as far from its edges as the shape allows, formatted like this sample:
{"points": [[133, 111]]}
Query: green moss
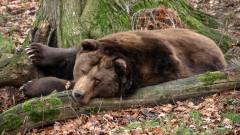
{"points": [[95, 109], [26, 41], [2, 19], [11, 110], [130, 127], [171, 116], [27, 105], [183, 131], [43, 109], [111, 17], [12, 122], [146, 124], [222, 131], [7, 45], [71, 28], [195, 115], [211, 77], [233, 115], [144, 5], [201, 22]]}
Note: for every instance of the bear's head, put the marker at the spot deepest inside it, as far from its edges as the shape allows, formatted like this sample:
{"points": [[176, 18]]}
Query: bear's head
{"points": [[99, 75]]}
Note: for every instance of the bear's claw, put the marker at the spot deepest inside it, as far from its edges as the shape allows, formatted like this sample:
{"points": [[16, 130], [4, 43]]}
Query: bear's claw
{"points": [[31, 56], [22, 87], [30, 51], [25, 87], [27, 48]]}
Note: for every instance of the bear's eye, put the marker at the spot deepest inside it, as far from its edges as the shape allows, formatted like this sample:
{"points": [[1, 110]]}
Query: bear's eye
{"points": [[83, 71], [97, 80]]}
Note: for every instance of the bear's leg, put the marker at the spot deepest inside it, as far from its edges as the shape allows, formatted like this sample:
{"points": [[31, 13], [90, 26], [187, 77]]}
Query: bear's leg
{"points": [[44, 86], [43, 55], [57, 62]]}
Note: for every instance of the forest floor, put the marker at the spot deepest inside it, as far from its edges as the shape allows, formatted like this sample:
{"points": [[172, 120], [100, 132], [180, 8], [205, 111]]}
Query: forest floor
{"points": [[214, 114]]}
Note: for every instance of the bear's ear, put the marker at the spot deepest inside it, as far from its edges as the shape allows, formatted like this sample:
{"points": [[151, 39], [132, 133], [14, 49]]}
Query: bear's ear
{"points": [[121, 64], [121, 69], [125, 76], [89, 44]]}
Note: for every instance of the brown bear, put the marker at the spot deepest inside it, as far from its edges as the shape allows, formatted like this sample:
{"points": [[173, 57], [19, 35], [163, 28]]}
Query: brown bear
{"points": [[123, 62]]}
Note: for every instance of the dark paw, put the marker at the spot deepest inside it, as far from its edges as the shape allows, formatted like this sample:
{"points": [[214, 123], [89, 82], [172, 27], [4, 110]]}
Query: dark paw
{"points": [[43, 86], [36, 88], [26, 89], [38, 53]]}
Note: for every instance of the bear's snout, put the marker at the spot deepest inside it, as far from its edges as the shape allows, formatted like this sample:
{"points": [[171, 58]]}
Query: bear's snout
{"points": [[78, 95]]}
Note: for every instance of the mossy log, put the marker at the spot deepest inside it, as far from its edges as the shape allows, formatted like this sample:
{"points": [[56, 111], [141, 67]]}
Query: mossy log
{"points": [[17, 70], [38, 112]]}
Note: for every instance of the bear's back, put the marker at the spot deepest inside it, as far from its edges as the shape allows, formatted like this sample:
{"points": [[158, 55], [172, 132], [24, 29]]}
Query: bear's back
{"points": [[154, 53], [191, 48]]}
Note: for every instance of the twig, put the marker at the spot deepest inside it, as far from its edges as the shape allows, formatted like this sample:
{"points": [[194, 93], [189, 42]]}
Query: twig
{"points": [[100, 105], [3, 133], [172, 20], [73, 110], [173, 101], [119, 105], [43, 112], [25, 122]]}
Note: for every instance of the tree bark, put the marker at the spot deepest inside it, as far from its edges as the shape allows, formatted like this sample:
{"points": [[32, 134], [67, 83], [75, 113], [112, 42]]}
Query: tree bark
{"points": [[71, 21], [37, 111]]}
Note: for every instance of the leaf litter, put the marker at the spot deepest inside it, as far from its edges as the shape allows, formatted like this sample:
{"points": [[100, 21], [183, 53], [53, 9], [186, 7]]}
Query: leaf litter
{"points": [[16, 18], [213, 114]]}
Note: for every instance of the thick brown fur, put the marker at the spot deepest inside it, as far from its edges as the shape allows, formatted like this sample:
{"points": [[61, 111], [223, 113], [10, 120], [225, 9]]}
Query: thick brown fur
{"points": [[140, 58], [163, 55]]}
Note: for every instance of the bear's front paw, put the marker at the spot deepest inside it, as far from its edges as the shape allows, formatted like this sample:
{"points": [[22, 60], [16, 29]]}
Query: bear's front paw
{"points": [[40, 54], [35, 52], [43, 86], [26, 89], [36, 88]]}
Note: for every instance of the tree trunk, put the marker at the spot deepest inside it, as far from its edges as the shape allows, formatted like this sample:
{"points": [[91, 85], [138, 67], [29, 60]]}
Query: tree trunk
{"points": [[38, 112], [71, 21]]}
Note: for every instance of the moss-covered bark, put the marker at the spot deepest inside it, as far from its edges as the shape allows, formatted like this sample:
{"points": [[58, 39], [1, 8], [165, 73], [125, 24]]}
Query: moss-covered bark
{"points": [[75, 20], [17, 70], [202, 23], [6, 45]]}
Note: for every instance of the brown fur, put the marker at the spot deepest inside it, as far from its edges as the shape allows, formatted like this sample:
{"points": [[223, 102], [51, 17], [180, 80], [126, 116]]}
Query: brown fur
{"points": [[123, 62], [152, 57]]}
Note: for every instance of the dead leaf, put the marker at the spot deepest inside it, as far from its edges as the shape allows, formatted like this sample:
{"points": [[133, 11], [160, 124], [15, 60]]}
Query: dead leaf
{"points": [[180, 109], [227, 121]]}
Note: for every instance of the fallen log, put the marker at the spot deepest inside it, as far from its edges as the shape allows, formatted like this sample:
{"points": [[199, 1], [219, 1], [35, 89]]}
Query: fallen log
{"points": [[38, 112]]}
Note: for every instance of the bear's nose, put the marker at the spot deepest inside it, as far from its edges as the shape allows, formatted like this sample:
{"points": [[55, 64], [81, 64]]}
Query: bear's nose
{"points": [[78, 95]]}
